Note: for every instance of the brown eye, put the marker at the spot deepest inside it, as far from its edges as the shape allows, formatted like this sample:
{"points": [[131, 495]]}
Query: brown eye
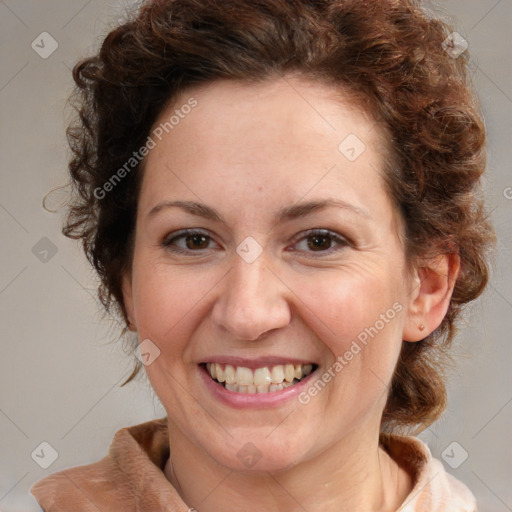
{"points": [[319, 242], [187, 241], [196, 241]]}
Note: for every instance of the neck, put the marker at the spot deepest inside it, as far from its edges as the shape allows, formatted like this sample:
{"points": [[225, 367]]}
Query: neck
{"points": [[341, 479]]}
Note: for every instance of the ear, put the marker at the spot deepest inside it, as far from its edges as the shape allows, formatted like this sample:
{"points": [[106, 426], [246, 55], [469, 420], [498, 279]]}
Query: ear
{"points": [[431, 291], [127, 289]]}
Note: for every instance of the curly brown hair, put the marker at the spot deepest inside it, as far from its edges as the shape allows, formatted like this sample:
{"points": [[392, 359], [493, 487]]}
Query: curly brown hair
{"points": [[389, 53]]}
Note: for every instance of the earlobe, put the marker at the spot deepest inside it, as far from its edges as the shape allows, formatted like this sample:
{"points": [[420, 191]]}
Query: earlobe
{"points": [[128, 301], [430, 296]]}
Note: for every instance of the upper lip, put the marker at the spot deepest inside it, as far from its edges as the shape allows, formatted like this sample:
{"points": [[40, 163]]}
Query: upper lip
{"points": [[258, 362]]}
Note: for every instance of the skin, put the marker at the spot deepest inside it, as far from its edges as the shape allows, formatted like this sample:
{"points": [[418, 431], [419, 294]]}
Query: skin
{"points": [[248, 151]]}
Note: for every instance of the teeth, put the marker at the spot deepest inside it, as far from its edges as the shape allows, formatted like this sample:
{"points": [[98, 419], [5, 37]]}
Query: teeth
{"points": [[277, 374], [262, 377], [261, 380], [220, 373], [289, 373], [243, 376], [229, 373]]}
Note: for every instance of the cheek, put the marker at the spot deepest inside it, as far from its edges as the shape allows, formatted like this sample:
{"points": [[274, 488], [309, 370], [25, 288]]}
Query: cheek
{"points": [[169, 306], [166, 301], [350, 303], [358, 317]]}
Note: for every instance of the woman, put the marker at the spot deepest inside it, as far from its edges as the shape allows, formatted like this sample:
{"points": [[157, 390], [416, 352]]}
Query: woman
{"points": [[282, 200]]}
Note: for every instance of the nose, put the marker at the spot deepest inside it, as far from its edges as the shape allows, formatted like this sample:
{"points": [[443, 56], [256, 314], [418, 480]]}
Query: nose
{"points": [[252, 301]]}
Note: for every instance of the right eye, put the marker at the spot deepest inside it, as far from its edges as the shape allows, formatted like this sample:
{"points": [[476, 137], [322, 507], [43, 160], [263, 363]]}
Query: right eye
{"points": [[187, 241]]}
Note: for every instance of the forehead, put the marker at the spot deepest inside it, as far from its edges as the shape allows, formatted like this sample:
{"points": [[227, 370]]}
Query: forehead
{"points": [[283, 137], [298, 111]]}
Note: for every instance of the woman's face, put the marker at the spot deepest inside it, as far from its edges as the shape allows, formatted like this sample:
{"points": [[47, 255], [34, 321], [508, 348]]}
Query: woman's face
{"points": [[264, 279]]}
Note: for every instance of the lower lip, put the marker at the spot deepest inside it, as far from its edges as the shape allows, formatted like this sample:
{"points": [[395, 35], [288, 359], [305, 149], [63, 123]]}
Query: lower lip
{"points": [[254, 400]]}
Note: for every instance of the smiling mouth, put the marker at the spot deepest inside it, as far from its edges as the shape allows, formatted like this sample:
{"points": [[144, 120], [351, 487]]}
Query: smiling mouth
{"points": [[267, 379]]}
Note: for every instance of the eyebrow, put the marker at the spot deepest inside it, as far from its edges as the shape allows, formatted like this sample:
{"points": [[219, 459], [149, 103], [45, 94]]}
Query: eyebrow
{"points": [[287, 213]]}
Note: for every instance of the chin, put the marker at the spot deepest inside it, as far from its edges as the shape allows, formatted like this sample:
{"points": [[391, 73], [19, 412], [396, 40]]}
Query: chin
{"points": [[256, 451]]}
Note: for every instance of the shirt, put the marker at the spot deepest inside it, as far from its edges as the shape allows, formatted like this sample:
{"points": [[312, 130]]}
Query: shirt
{"points": [[130, 478]]}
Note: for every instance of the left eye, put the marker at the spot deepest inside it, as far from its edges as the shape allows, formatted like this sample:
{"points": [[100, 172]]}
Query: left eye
{"points": [[321, 240]]}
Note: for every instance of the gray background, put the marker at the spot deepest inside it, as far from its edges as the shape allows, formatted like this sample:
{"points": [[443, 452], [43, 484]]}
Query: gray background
{"points": [[60, 375]]}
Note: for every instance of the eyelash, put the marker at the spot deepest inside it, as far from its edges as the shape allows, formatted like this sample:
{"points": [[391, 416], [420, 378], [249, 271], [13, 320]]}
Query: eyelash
{"points": [[341, 241]]}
